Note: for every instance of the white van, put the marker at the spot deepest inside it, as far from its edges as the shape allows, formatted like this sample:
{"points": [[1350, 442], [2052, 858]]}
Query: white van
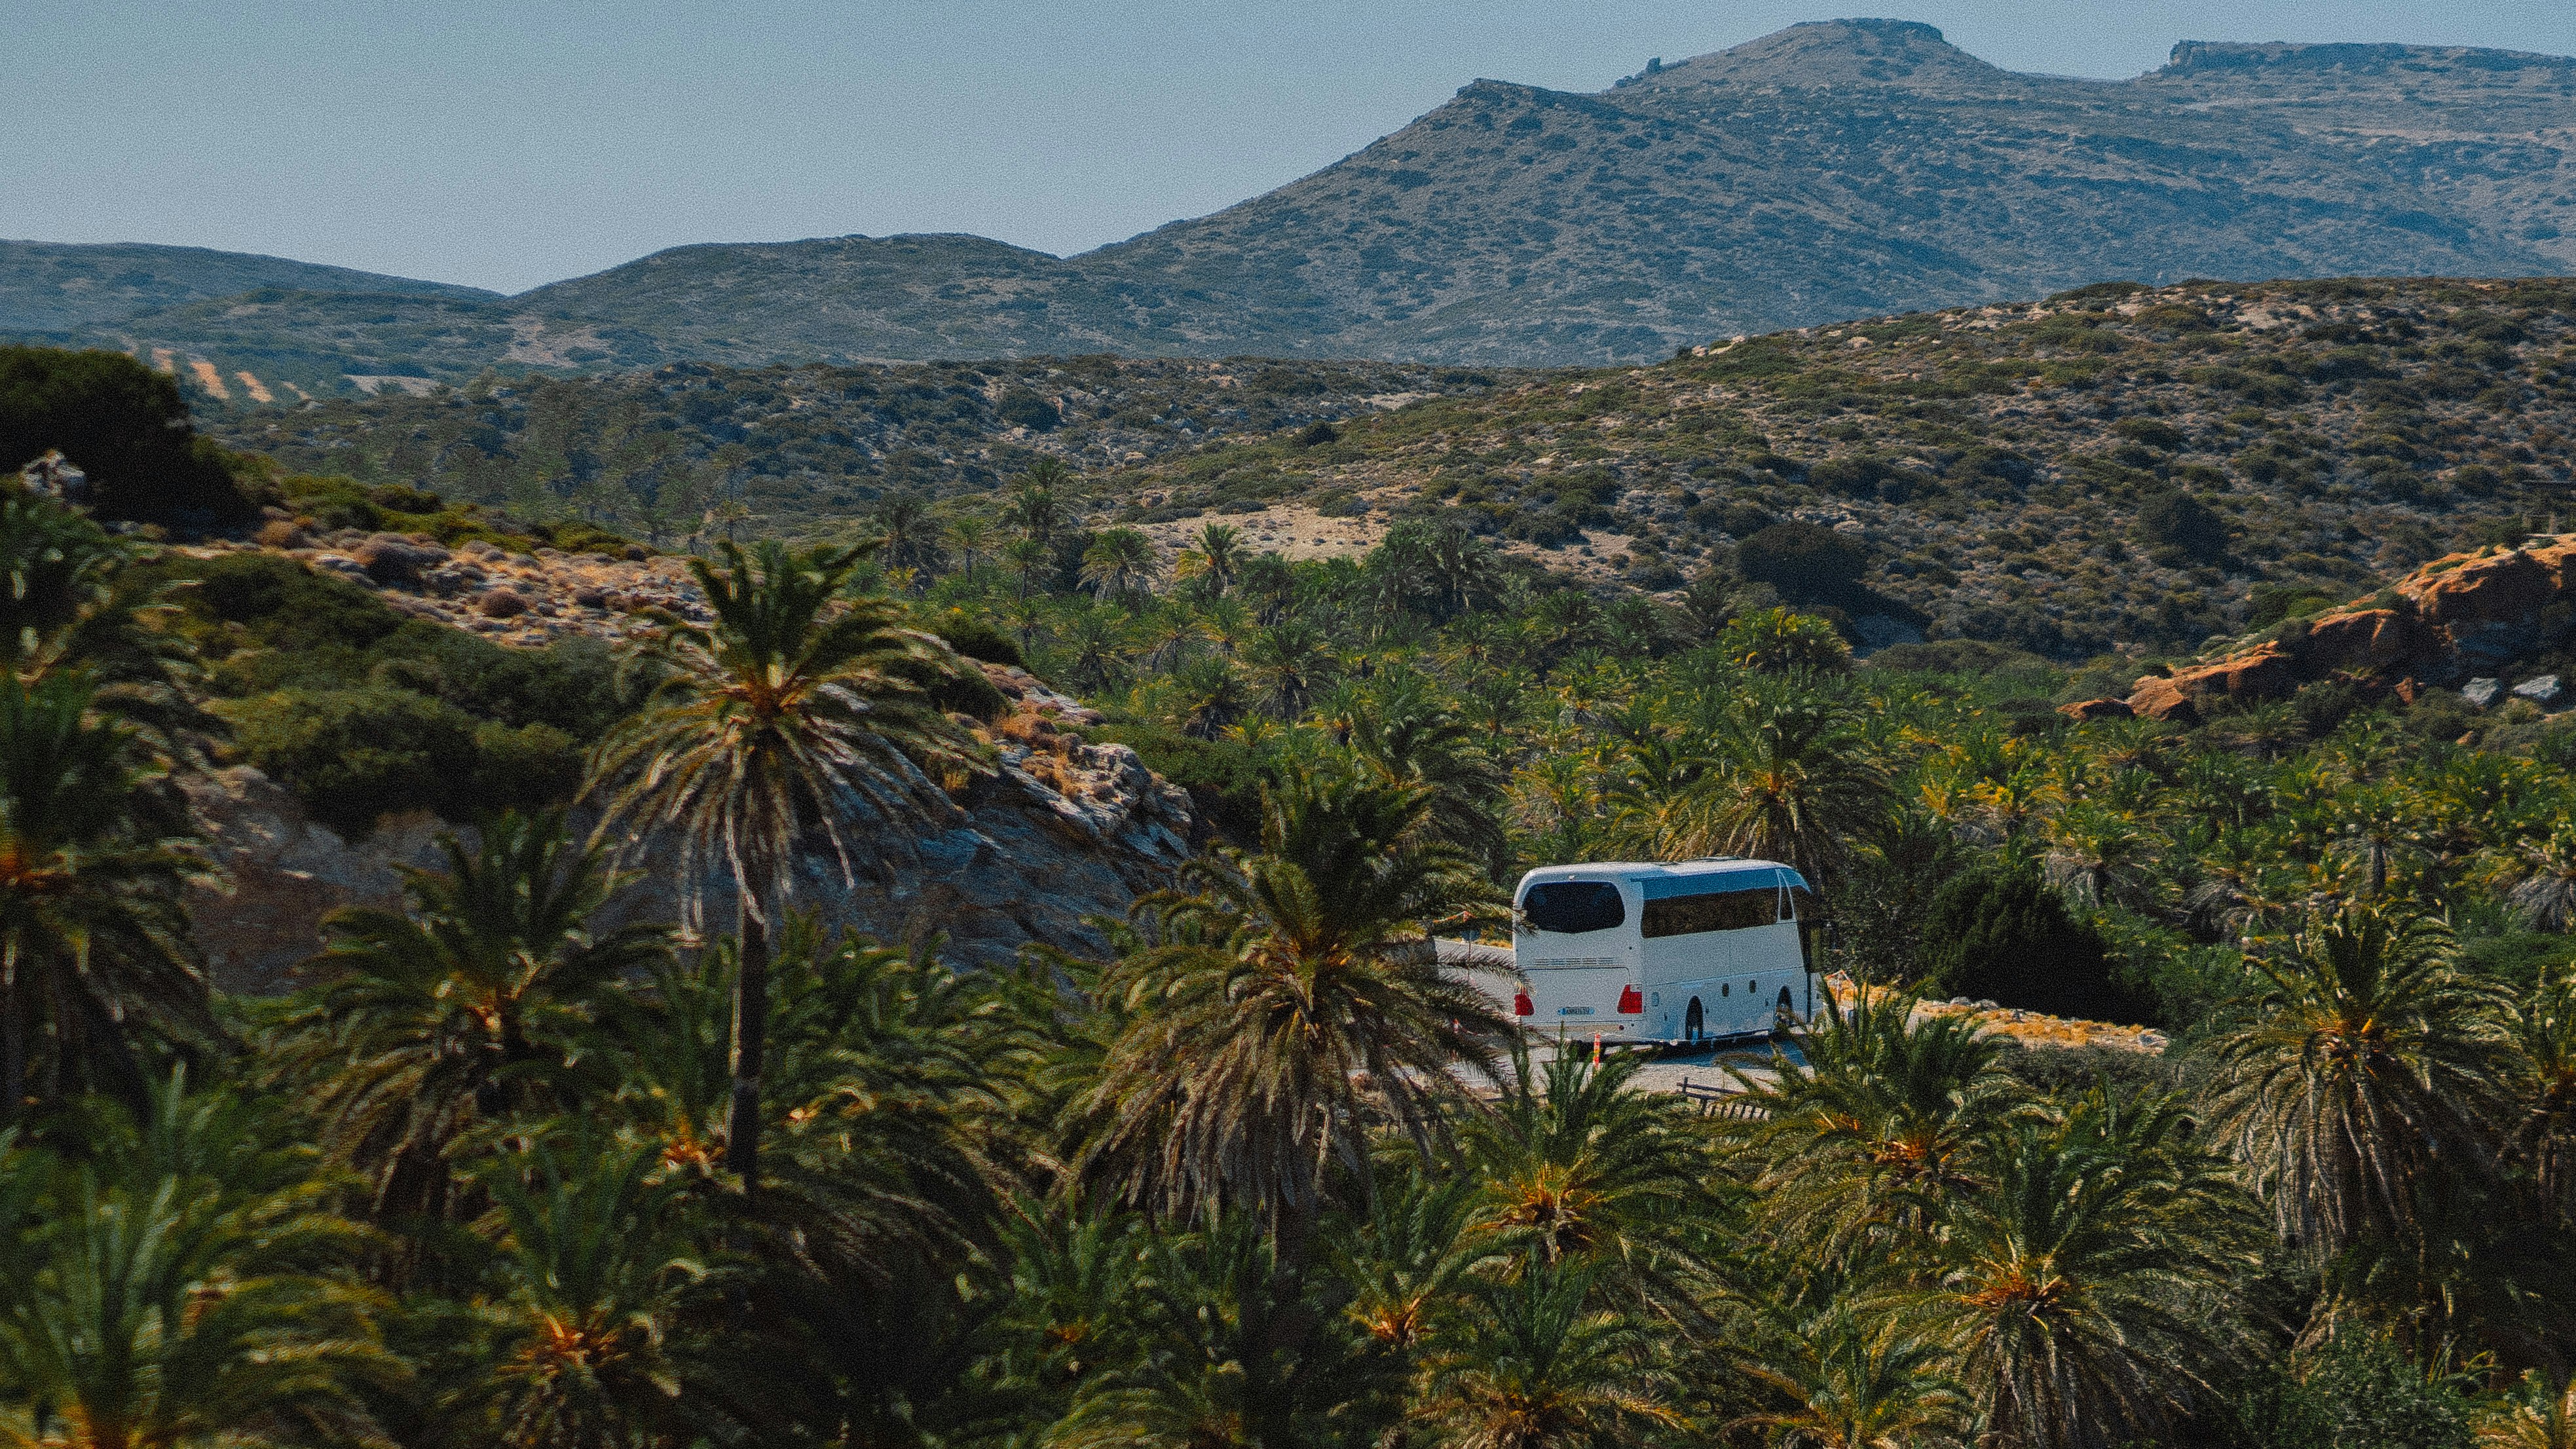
{"points": [[1692, 951]]}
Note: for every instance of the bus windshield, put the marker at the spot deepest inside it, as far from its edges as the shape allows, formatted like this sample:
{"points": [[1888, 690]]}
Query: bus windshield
{"points": [[1573, 906]]}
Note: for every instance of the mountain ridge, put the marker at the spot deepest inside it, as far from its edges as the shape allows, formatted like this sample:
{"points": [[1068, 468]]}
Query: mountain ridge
{"points": [[1832, 170]]}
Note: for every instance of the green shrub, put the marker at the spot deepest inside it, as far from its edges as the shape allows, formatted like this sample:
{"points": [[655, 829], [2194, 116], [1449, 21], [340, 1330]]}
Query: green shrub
{"points": [[354, 755], [2182, 523], [125, 425], [1999, 933], [977, 638], [1805, 563], [529, 766]]}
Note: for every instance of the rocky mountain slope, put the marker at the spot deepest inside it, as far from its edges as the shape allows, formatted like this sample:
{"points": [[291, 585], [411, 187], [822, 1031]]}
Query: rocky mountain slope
{"points": [[1829, 171]]}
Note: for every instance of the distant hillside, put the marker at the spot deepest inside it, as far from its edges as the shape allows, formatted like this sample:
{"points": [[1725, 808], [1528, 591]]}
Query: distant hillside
{"points": [[59, 287], [2116, 467], [1829, 171], [811, 446]]}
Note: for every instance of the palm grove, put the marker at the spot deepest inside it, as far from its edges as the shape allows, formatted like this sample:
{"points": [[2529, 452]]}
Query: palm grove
{"points": [[513, 1167]]}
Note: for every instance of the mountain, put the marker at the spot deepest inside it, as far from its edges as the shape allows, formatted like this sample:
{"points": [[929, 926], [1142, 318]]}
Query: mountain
{"points": [[1832, 170]]}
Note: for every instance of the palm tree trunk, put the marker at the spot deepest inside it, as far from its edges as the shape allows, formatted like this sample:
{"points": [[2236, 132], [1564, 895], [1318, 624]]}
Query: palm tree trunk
{"points": [[13, 1054], [749, 1046]]}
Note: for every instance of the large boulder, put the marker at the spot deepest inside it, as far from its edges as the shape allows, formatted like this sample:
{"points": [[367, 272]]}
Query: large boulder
{"points": [[2357, 639]]}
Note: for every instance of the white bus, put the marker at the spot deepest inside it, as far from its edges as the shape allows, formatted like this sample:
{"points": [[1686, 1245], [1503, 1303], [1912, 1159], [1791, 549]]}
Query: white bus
{"points": [[1693, 951]]}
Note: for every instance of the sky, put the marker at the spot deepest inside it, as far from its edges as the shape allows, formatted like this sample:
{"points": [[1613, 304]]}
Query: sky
{"points": [[504, 145]]}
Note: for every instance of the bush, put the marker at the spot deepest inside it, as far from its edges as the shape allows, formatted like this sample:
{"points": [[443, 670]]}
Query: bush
{"points": [[2357, 1393], [2001, 934], [2184, 524], [977, 639], [1024, 409], [355, 755], [1805, 563], [125, 425]]}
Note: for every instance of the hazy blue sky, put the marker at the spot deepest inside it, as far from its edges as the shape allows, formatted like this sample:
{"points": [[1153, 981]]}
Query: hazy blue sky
{"points": [[507, 144]]}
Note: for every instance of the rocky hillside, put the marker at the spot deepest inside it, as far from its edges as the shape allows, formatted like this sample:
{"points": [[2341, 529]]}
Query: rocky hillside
{"points": [[2116, 467], [1834, 170], [1062, 830]]}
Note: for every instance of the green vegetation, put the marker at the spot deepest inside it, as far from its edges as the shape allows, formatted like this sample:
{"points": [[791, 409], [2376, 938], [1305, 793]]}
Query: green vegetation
{"points": [[515, 1166]]}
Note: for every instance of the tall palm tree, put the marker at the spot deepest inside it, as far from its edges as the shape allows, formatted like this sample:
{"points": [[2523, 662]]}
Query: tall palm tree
{"points": [[177, 1281], [95, 858], [1028, 558], [475, 1003], [1406, 731], [1117, 562], [1412, 1256], [2085, 1295], [910, 534], [1035, 508], [1287, 662], [1795, 782], [794, 716], [1286, 1003], [971, 534], [2368, 1063], [1535, 1368], [1215, 552]]}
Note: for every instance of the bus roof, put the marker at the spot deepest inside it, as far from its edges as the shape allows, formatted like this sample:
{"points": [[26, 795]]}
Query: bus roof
{"points": [[1677, 877]]}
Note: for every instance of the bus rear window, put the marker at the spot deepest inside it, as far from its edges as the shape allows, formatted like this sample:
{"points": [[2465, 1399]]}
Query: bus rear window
{"points": [[1573, 906], [1725, 911]]}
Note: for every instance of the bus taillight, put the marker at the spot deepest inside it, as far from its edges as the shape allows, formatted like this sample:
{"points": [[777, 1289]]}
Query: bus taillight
{"points": [[1632, 1002]]}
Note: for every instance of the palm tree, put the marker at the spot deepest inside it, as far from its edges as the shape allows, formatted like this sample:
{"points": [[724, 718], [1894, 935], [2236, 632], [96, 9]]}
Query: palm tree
{"points": [[1406, 731], [1214, 552], [1096, 635], [2540, 1415], [910, 535], [2540, 880], [594, 1280], [1845, 1384], [1580, 1166], [970, 533], [2543, 1082], [1118, 560], [1883, 1128], [176, 1281], [2084, 1296], [1412, 1256], [473, 1005], [1795, 782], [1534, 1368], [2369, 1062], [1028, 557], [95, 857], [1287, 663], [729, 515], [2097, 855], [797, 711], [1034, 507], [1285, 1004]]}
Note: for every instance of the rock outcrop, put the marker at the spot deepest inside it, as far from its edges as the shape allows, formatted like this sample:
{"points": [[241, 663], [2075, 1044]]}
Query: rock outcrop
{"points": [[2452, 618], [1060, 832]]}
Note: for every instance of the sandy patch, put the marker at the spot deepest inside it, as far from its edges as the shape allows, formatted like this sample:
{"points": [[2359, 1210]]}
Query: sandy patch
{"points": [[209, 379], [374, 383], [165, 360], [258, 390], [1292, 529]]}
